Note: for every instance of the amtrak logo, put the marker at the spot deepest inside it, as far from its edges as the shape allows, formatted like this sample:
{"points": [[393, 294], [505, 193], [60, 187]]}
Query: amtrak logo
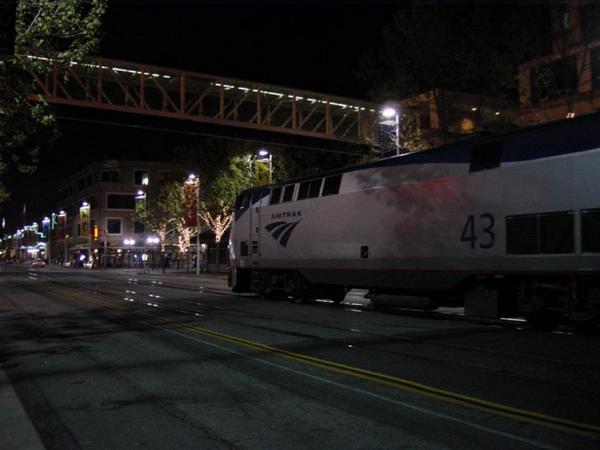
{"points": [[281, 231]]}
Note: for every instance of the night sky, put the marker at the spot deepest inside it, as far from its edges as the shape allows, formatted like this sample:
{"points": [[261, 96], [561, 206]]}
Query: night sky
{"points": [[304, 44], [311, 45]]}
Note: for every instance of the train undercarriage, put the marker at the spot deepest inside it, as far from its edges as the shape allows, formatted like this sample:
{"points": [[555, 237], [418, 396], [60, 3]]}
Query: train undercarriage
{"points": [[545, 301]]}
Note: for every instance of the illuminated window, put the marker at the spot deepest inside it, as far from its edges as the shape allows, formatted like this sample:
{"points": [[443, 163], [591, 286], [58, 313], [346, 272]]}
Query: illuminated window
{"points": [[140, 177], [113, 226]]}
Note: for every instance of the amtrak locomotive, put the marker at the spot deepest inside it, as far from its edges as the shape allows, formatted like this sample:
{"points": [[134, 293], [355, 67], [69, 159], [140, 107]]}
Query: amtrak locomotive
{"points": [[511, 221]]}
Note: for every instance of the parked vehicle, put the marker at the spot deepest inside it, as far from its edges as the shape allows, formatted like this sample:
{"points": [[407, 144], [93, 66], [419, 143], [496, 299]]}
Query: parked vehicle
{"points": [[511, 221]]}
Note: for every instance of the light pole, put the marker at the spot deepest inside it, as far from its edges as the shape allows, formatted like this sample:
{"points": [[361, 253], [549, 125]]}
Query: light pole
{"points": [[84, 215], [194, 181], [391, 114], [46, 227], [128, 243], [62, 217], [141, 195]]}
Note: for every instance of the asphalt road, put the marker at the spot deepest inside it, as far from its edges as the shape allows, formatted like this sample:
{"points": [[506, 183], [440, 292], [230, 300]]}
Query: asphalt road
{"points": [[115, 360]]}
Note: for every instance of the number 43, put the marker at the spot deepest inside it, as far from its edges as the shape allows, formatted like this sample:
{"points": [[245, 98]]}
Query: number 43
{"points": [[472, 230]]}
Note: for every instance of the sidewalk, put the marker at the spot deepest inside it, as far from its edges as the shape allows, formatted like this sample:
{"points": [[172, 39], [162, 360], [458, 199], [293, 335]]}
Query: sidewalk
{"points": [[18, 433], [169, 272]]}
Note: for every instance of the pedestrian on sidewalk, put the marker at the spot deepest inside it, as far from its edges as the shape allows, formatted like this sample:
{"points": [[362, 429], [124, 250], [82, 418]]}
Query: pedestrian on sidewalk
{"points": [[164, 262]]}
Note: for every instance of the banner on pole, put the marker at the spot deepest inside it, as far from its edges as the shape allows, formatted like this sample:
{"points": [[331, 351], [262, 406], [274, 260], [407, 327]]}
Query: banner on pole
{"points": [[84, 219], [190, 206]]}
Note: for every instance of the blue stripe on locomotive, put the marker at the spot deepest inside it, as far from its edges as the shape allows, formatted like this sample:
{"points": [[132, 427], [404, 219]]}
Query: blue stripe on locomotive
{"points": [[533, 142]]}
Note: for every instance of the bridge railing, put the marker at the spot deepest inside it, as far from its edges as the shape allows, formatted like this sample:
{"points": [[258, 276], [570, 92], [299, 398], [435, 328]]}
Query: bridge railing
{"points": [[143, 89]]}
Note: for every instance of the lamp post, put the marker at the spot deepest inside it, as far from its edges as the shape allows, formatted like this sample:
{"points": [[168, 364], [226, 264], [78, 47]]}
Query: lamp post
{"points": [[128, 243], [84, 214], [62, 217], [391, 114], [194, 181], [141, 195], [46, 227]]}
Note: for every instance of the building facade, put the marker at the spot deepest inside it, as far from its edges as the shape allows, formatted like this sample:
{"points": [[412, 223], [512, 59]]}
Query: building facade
{"points": [[565, 83], [111, 189], [439, 116]]}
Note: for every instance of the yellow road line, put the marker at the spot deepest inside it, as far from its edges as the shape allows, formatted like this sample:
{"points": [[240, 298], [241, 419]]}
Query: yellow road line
{"points": [[547, 421]]}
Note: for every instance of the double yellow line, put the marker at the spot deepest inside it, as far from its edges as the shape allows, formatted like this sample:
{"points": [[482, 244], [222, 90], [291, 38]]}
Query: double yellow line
{"points": [[532, 417]]}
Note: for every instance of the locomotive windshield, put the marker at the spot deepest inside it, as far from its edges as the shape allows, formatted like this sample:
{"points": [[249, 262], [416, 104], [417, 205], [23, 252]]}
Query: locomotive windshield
{"points": [[243, 200]]}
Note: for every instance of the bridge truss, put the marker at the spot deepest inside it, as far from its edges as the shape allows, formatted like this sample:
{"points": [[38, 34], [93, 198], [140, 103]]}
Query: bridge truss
{"points": [[142, 89]]}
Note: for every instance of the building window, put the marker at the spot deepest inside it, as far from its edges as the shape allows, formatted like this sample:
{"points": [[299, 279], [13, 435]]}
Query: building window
{"points": [[553, 80], [111, 176], [113, 226], [140, 177], [120, 201]]}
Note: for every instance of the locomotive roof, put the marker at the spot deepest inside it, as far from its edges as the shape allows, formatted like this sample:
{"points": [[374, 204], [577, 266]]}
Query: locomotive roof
{"points": [[532, 142]]}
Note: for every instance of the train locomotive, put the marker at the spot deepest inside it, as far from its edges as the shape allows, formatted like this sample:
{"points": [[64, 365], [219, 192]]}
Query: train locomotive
{"points": [[509, 220]]}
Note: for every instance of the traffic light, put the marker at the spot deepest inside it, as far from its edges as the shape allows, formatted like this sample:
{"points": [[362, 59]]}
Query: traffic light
{"points": [[96, 232]]}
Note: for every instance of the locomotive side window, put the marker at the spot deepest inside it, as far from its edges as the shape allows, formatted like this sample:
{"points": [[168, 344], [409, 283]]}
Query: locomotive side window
{"points": [[309, 189], [275, 196], [548, 233], [259, 194], [486, 156], [288, 193], [314, 188], [557, 232], [303, 190], [332, 185], [590, 230], [521, 235]]}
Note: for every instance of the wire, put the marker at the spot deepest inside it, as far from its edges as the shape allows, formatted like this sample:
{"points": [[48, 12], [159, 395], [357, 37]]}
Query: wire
{"points": [[195, 133]]}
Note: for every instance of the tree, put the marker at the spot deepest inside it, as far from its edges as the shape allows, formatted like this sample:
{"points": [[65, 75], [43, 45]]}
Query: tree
{"points": [[47, 32], [219, 190], [162, 211], [439, 48]]}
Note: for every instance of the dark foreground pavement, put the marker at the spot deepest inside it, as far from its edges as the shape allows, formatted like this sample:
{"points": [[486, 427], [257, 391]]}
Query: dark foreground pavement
{"points": [[119, 359]]}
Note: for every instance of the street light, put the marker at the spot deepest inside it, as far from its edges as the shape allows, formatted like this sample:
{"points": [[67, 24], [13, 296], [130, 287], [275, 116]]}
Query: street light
{"points": [[84, 214], [46, 226], [194, 181], [62, 217], [391, 114]]}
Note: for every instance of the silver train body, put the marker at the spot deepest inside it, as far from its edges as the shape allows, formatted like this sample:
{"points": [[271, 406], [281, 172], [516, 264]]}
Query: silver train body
{"points": [[514, 216]]}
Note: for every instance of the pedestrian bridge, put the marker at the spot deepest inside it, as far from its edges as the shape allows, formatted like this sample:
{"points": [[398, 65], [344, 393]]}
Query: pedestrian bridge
{"points": [[156, 91]]}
